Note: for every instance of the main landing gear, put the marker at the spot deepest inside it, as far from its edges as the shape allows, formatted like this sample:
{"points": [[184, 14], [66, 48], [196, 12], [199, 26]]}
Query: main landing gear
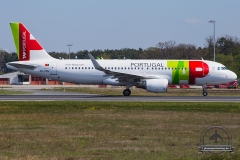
{"points": [[127, 92], [205, 93]]}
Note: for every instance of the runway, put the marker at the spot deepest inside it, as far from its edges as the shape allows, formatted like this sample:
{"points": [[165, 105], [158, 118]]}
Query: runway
{"points": [[37, 94], [89, 97]]}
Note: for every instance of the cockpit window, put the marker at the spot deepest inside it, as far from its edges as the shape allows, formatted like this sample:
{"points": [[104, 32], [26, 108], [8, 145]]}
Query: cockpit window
{"points": [[222, 68]]}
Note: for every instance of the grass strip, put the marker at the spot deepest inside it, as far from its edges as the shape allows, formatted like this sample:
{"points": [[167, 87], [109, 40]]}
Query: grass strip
{"points": [[9, 92], [112, 130], [76, 106]]}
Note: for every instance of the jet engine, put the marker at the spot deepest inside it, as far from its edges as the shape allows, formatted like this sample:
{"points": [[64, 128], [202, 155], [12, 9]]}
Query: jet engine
{"points": [[154, 85]]}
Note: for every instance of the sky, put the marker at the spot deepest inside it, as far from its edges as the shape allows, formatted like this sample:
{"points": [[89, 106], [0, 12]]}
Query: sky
{"points": [[117, 24]]}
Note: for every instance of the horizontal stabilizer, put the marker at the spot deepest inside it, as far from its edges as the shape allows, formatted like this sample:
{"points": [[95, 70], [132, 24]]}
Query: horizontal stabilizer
{"points": [[22, 66]]}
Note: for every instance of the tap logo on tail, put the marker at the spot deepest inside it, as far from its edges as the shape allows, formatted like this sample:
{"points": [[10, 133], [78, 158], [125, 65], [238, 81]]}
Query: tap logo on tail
{"points": [[24, 41]]}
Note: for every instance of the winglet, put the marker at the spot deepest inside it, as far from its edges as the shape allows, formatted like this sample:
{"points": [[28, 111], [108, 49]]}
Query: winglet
{"points": [[95, 63]]}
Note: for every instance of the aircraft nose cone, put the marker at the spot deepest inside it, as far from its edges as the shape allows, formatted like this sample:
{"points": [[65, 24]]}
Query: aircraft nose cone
{"points": [[232, 76], [235, 76]]}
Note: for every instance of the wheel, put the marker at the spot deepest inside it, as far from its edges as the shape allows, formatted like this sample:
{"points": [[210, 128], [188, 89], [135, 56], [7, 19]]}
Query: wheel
{"points": [[205, 93], [127, 92]]}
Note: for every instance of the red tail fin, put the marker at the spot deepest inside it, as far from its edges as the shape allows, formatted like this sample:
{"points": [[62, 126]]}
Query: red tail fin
{"points": [[27, 43], [27, 46]]}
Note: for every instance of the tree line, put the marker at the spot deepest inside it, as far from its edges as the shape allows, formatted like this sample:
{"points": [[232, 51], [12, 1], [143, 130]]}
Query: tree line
{"points": [[227, 49]]}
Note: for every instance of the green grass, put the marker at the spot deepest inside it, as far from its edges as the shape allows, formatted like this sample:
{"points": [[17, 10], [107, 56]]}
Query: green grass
{"points": [[9, 92], [75, 106], [112, 130]]}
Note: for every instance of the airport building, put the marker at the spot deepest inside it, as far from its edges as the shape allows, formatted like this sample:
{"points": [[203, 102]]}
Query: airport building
{"points": [[19, 78]]}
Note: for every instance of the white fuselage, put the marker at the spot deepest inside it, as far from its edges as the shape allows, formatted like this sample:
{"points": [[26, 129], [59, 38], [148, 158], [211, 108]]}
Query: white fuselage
{"points": [[83, 72]]}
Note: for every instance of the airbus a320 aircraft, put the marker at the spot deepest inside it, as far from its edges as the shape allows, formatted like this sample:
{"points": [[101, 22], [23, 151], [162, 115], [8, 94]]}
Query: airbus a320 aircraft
{"points": [[152, 75]]}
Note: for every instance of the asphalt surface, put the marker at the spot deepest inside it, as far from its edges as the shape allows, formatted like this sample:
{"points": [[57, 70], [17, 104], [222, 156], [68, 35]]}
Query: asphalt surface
{"points": [[88, 97], [51, 95]]}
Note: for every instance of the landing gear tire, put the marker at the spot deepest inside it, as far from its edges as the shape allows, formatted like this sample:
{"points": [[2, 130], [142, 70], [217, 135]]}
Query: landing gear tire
{"points": [[205, 93], [127, 92]]}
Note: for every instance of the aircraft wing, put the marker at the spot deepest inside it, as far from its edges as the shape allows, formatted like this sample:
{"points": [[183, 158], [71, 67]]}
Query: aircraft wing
{"points": [[23, 66], [124, 76], [119, 75]]}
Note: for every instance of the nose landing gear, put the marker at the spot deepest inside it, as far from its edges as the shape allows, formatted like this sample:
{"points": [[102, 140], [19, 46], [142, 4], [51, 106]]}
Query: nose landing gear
{"points": [[205, 93]]}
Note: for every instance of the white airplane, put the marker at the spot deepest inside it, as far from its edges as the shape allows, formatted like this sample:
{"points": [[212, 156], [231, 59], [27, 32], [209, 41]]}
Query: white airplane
{"points": [[152, 75]]}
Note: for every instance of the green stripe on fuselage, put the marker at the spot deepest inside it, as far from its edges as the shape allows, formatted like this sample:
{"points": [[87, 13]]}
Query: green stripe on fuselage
{"points": [[180, 71]]}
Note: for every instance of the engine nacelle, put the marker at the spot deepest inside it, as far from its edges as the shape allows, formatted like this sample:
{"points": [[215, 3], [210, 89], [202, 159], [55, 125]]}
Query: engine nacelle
{"points": [[154, 85]]}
